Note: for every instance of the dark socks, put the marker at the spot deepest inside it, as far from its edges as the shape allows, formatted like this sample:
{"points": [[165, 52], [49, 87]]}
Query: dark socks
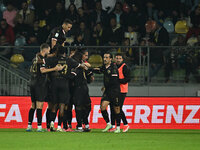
{"points": [[39, 117], [79, 116], [30, 116], [60, 120], [69, 117], [48, 118], [123, 117], [65, 120], [52, 116], [87, 111], [118, 119], [105, 115], [112, 116]]}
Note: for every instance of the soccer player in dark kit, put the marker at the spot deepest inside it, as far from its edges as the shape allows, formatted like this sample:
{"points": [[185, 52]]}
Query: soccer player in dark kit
{"points": [[124, 78], [59, 34], [81, 98], [111, 90], [60, 84], [38, 85]]}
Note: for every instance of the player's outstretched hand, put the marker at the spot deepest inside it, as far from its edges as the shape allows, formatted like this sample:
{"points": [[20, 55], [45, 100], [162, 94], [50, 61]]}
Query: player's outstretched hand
{"points": [[58, 67], [87, 65]]}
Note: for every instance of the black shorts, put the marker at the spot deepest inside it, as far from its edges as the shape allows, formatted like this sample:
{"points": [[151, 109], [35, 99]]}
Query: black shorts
{"points": [[60, 91], [114, 99], [38, 89], [49, 93], [81, 95]]}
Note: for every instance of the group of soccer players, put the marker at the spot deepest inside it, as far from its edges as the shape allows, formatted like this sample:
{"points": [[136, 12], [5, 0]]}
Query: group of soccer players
{"points": [[62, 80]]}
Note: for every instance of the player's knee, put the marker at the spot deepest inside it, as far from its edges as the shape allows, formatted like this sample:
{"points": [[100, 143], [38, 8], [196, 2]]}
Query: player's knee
{"points": [[103, 108], [33, 106], [117, 110]]}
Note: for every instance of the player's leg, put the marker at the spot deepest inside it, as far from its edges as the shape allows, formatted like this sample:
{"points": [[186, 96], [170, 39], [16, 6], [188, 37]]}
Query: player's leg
{"points": [[48, 112], [53, 116], [67, 119], [103, 107], [87, 110], [39, 106], [33, 106], [50, 105], [79, 117], [117, 113], [123, 117], [118, 118], [30, 116], [60, 117], [112, 117]]}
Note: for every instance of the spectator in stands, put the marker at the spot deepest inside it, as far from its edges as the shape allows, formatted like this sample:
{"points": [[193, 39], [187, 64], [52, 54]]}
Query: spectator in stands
{"points": [[78, 40], [29, 53], [7, 31], [77, 3], [82, 17], [132, 35], [174, 58], [22, 28], [85, 32], [129, 53], [57, 15], [27, 14], [195, 20], [114, 34], [35, 30], [43, 34], [118, 13], [9, 14], [88, 6], [99, 15], [161, 38], [192, 62], [137, 18], [150, 8], [159, 16], [98, 35], [7, 51], [72, 13]]}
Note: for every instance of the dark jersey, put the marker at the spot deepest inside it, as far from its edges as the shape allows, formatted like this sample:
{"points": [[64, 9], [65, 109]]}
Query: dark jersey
{"points": [[111, 78], [68, 64], [35, 68], [38, 84], [57, 34], [82, 77]]}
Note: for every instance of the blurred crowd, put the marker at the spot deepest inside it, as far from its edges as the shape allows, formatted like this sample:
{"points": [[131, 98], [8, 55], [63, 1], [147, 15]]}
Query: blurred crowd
{"points": [[109, 23]]}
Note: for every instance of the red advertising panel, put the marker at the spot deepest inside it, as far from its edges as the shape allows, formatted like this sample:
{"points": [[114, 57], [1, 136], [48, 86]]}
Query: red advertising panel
{"points": [[141, 112]]}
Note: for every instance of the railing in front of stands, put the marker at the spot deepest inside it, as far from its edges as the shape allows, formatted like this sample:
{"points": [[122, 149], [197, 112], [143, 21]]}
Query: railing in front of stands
{"points": [[160, 65]]}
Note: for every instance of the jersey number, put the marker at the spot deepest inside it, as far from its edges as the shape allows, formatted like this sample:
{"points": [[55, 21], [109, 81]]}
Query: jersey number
{"points": [[34, 67], [64, 71]]}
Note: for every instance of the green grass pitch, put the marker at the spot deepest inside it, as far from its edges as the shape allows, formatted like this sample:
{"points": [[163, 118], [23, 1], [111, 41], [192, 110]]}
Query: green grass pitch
{"points": [[18, 139]]}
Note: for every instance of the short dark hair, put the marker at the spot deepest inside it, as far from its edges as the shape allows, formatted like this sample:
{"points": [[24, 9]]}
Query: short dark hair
{"points": [[120, 54], [111, 56], [67, 21], [44, 45]]}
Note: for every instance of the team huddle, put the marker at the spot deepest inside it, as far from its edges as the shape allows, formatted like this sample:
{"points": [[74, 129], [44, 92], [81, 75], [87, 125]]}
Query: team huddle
{"points": [[62, 81]]}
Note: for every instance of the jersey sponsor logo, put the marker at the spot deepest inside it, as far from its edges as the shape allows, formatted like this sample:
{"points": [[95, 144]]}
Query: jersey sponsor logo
{"points": [[57, 34], [141, 113]]}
